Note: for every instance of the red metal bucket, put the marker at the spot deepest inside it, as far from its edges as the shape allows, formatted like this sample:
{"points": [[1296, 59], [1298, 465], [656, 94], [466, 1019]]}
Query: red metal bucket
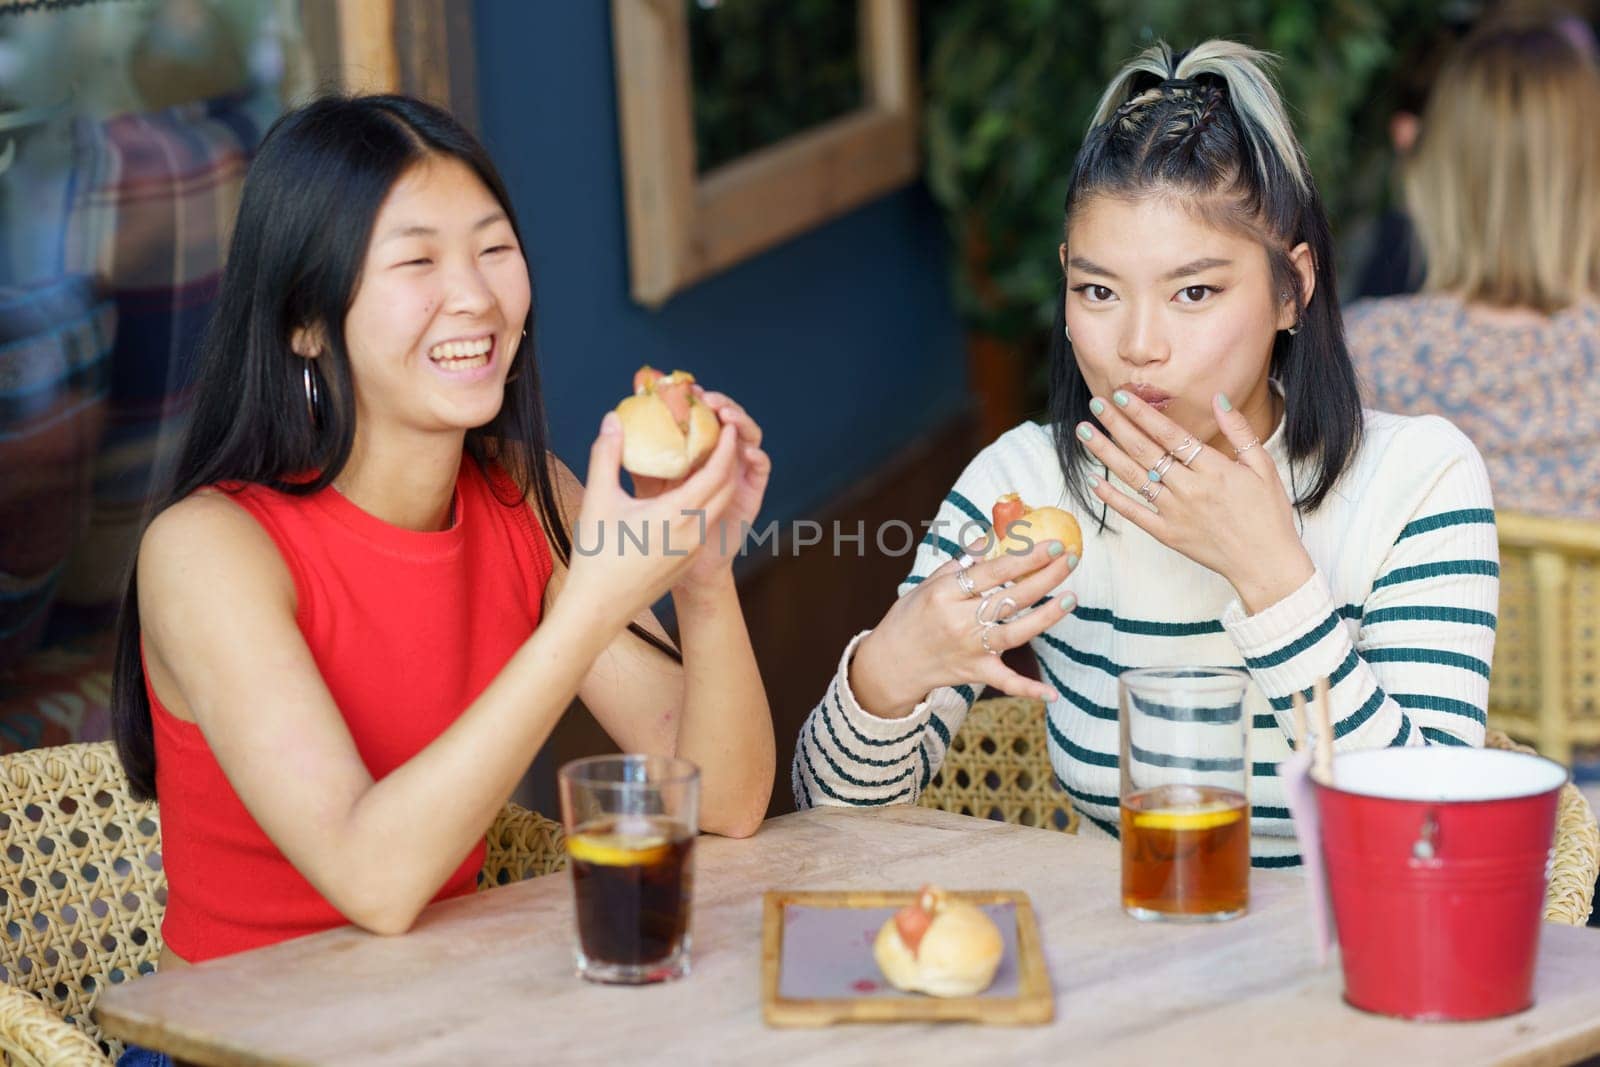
{"points": [[1437, 864]]}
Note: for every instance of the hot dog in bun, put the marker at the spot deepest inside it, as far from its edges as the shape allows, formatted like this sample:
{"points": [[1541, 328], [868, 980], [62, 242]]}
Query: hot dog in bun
{"points": [[666, 430], [940, 946], [1017, 528]]}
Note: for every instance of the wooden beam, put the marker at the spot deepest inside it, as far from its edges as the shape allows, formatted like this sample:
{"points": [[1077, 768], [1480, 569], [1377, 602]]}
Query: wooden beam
{"points": [[368, 62]]}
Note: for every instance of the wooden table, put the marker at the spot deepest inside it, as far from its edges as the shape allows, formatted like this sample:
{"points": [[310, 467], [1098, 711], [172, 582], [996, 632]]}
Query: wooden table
{"points": [[488, 979]]}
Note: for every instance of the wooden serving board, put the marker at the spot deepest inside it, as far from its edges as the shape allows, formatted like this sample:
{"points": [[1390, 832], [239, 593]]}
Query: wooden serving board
{"points": [[813, 987]]}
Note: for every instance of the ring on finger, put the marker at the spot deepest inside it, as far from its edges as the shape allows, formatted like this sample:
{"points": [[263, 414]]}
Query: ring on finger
{"points": [[1251, 444], [1163, 465], [1005, 609], [1151, 490], [1190, 445], [983, 636], [969, 588]]}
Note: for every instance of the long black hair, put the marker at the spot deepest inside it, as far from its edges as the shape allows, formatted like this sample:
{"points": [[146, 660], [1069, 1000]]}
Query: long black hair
{"points": [[1209, 125], [304, 222]]}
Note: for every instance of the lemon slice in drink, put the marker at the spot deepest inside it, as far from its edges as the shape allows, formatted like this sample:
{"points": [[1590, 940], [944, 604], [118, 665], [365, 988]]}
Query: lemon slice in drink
{"points": [[1199, 817], [618, 850]]}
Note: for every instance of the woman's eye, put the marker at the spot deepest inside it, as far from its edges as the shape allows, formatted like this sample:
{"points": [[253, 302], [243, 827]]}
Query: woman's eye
{"points": [[416, 262], [496, 249], [1095, 294], [1194, 294]]}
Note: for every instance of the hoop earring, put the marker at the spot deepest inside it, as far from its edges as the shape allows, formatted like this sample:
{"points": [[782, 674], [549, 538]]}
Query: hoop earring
{"points": [[313, 394], [516, 373], [1066, 331], [1294, 329]]}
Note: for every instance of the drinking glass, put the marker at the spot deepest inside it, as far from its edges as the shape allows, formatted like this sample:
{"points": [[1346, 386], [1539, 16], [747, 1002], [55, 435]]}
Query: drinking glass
{"points": [[630, 823], [1185, 794]]}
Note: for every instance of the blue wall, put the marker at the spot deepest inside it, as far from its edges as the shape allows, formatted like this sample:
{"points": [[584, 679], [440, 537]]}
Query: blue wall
{"points": [[842, 342]]}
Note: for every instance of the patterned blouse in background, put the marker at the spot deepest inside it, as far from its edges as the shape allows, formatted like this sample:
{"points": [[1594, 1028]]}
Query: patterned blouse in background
{"points": [[1528, 396]]}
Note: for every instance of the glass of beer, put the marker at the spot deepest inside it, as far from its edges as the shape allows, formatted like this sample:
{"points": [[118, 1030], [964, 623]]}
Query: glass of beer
{"points": [[630, 823], [1185, 794]]}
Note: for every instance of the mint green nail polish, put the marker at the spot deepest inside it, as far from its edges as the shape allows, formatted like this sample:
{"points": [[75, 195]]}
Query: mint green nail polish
{"points": [[1069, 602], [1055, 549], [1223, 402], [1084, 433], [1094, 483], [1072, 561], [1121, 398], [1097, 406]]}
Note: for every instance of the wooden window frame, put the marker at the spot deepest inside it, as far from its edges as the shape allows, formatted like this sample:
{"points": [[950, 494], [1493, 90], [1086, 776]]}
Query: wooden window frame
{"points": [[683, 225]]}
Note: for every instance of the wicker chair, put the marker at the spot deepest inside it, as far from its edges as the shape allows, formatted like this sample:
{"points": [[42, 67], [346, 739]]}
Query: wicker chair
{"points": [[1570, 896], [1545, 686], [82, 892], [999, 768]]}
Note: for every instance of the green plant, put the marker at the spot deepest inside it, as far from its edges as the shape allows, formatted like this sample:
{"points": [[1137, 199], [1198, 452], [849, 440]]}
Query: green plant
{"points": [[1011, 85]]}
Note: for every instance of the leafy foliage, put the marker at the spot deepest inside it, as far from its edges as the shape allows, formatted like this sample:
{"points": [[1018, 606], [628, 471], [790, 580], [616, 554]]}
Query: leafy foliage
{"points": [[766, 69], [1011, 85]]}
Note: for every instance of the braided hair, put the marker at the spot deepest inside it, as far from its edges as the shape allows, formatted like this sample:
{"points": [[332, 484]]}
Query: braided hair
{"points": [[1208, 126]]}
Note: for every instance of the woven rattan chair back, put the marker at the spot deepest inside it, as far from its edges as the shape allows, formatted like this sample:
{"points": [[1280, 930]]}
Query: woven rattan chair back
{"points": [[998, 767], [1570, 896], [82, 885], [83, 893], [1545, 685]]}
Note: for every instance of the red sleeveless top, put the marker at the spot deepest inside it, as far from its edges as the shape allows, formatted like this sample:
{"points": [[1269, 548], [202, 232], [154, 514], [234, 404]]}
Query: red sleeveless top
{"points": [[407, 629]]}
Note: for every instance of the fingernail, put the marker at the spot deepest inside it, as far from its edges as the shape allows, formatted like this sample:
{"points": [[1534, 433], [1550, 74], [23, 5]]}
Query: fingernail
{"points": [[1121, 398], [1052, 696], [1072, 561], [1223, 402], [1094, 483], [1055, 548], [1097, 406], [1084, 433], [611, 423], [1069, 602]]}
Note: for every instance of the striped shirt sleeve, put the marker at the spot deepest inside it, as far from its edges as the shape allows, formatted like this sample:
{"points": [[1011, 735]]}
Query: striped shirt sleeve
{"points": [[1417, 670], [846, 754]]}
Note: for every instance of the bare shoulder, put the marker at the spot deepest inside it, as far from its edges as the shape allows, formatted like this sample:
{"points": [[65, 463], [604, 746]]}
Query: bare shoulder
{"points": [[208, 543]]}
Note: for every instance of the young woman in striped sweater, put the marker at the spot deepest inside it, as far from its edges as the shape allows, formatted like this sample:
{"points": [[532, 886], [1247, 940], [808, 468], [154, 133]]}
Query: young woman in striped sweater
{"points": [[1238, 506]]}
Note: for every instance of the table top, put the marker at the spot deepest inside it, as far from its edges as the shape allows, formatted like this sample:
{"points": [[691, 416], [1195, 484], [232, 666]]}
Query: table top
{"points": [[489, 978]]}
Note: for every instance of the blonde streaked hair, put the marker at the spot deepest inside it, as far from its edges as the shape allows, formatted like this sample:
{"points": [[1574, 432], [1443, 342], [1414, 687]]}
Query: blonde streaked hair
{"points": [[1504, 184]]}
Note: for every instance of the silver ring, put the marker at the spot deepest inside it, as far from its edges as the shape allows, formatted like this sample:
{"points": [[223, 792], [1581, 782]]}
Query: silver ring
{"points": [[1151, 490], [983, 635], [1005, 609], [1188, 443], [1163, 465], [969, 588], [1241, 451]]}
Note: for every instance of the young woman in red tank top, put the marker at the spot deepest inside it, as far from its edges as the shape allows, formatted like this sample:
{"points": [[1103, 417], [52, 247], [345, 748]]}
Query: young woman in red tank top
{"points": [[357, 616]]}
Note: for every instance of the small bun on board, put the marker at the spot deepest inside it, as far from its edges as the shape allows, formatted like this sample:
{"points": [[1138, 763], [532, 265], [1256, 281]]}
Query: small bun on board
{"points": [[939, 946]]}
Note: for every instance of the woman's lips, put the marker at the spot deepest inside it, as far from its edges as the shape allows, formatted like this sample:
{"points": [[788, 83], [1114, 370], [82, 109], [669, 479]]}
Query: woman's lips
{"points": [[1149, 394]]}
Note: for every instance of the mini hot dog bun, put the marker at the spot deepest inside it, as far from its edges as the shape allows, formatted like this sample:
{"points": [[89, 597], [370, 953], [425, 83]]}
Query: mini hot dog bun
{"points": [[939, 946], [666, 430], [1017, 528]]}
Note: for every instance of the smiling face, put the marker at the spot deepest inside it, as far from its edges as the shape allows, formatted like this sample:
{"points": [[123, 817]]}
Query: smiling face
{"points": [[1175, 309], [440, 308]]}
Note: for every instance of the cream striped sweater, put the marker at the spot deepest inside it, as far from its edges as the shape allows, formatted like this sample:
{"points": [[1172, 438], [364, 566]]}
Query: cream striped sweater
{"points": [[1400, 615]]}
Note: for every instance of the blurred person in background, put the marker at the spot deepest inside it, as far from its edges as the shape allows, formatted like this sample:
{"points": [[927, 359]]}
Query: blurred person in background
{"points": [[1504, 339]]}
